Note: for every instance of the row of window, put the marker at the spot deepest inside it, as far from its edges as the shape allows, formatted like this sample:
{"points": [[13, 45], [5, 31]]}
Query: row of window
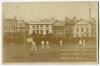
{"points": [[82, 35], [39, 25], [82, 29], [13, 29], [40, 32]]}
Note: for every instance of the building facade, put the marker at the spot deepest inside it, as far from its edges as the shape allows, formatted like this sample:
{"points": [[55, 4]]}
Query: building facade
{"points": [[20, 26], [82, 29], [69, 27], [9, 25], [13, 30], [43, 27], [59, 28], [92, 22]]}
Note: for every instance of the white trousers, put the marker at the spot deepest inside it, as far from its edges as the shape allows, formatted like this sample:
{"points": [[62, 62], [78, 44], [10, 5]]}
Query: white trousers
{"points": [[47, 45], [33, 47], [43, 46], [61, 44]]}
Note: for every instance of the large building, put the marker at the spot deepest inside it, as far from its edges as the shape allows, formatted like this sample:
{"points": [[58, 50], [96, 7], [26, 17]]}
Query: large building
{"points": [[13, 25], [59, 28], [69, 27], [20, 26], [92, 21], [85, 28], [42, 27], [9, 25], [13, 30], [82, 29]]}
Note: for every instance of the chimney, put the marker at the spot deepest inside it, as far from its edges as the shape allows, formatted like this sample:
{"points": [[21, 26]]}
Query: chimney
{"points": [[89, 12]]}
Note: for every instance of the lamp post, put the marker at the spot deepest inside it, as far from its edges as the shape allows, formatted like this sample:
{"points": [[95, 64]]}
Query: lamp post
{"points": [[24, 34]]}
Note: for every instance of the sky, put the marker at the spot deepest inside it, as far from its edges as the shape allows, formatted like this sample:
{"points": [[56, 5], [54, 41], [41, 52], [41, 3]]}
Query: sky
{"points": [[58, 10]]}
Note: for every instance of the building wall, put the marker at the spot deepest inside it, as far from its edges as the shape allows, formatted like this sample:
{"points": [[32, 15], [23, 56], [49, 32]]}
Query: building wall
{"points": [[13, 25], [93, 23], [20, 26], [41, 29], [59, 31], [69, 30], [9, 25], [13, 30], [93, 27], [81, 30]]}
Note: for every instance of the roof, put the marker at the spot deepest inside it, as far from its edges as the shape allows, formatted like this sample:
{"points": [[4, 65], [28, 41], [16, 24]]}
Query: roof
{"points": [[82, 21], [59, 23], [38, 22], [46, 20], [91, 20], [69, 22]]}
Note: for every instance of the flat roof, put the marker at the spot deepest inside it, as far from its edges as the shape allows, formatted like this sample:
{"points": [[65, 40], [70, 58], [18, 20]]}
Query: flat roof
{"points": [[40, 23]]}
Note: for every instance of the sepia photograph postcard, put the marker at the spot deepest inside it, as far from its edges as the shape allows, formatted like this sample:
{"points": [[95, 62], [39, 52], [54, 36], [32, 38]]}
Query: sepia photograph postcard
{"points": [[50, 32]]}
